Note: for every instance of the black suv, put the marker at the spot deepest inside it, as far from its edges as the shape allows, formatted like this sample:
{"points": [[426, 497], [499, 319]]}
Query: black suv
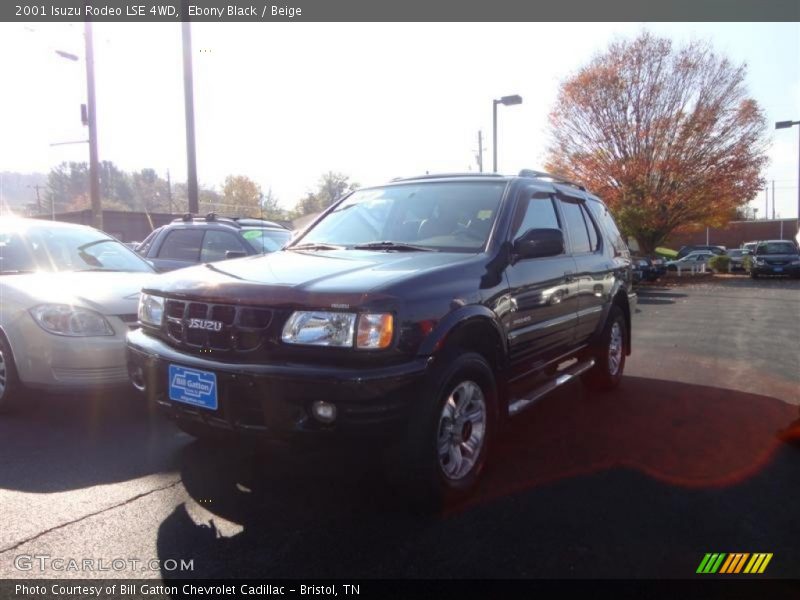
{"points": [[775, 257], [191, 240], [426, 312]]}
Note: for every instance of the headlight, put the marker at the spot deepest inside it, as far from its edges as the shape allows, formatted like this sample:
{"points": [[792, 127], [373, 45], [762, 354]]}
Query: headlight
{"points": [[796, 262], [151, 309], [63, 319], [375, 331], [760, 261], [320, 328]]}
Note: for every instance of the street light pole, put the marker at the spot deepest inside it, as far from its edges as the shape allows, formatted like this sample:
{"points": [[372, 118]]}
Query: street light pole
{"points": [[506, 101], [188, 98], [787, 125], [94, 163]]}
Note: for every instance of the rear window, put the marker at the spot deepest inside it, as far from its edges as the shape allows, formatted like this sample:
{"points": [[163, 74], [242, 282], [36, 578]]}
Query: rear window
{"points": [[776, 248]]}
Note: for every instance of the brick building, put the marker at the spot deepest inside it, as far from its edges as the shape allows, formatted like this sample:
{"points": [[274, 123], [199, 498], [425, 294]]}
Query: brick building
{"points": [[737, 233]]}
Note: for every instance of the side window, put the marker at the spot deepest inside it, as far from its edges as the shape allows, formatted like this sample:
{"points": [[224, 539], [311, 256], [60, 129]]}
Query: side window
{"points": [[607, 225], [539, 214], [182, 244], [594, 238], [216, 244], [144, 247], [575, 224]]}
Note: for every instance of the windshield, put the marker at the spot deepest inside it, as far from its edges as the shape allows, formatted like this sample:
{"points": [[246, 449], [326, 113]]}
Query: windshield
{"points": [[42, 248], [266, 240], [434, 215], [776, 248]]}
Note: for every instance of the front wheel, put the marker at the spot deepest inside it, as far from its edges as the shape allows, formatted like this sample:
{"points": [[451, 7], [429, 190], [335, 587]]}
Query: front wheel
{"points": [[10, 386], [609, 354], [451, 432]]}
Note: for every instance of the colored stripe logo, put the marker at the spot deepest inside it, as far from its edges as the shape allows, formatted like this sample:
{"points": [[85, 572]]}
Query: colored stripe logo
{"points": [[734, 563]]}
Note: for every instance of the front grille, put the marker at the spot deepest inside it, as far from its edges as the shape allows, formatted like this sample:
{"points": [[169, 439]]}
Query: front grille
{"points": [[202, 327]]}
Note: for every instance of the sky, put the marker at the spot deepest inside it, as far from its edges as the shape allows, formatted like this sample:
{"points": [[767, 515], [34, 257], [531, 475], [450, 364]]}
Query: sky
{"points": [[285, 102]]}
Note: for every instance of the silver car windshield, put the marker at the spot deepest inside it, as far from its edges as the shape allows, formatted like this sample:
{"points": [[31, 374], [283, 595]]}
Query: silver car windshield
{"points": [[41, 248]]}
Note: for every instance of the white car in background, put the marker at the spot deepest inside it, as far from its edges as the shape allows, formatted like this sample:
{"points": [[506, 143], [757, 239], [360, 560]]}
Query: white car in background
{"points": [[68, 296], [695, 259]]}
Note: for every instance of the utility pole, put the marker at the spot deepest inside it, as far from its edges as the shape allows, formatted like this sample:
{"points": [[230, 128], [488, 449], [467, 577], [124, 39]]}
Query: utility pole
{"points": [[94, 163], [766, 202], [479, 156], [188, 97], [773, 200], [169, 192], [37, 187]]}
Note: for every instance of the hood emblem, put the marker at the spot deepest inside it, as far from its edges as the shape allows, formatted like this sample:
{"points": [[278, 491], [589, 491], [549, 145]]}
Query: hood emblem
{"points": [[206, 324]]}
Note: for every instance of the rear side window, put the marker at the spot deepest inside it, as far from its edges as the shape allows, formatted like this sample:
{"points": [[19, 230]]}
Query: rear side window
{"points": [[591, 227], [609, 227], [576, 226], [539, 214], [182, 244]]}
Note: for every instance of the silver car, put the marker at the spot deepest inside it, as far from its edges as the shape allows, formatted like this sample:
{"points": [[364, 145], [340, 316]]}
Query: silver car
{"points": [[68, 296], [695, 260]]}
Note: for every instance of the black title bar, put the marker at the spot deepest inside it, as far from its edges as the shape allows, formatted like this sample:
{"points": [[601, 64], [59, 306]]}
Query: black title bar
{"points": [[407, 10]]}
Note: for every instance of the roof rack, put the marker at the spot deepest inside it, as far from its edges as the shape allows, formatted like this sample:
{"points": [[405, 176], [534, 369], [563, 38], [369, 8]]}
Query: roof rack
{"points": [[234, 221], [556, 178], [446, 176]]}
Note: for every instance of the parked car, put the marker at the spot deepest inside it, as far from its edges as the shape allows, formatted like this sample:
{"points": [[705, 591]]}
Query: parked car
{"points": [[423, 313], [694, 259], [191, 240], [69, 296], [737, 258], [648, 269], [685, 250], [750, 246], [775, 257]]}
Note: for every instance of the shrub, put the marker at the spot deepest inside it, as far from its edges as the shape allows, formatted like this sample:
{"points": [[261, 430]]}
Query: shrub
{"points": [[747, 262], [719, 263]]}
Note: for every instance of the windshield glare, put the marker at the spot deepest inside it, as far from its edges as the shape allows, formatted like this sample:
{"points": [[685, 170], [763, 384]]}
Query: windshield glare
{"points": [[64, 249], [776, 248], [437, 215], [266, 240]]}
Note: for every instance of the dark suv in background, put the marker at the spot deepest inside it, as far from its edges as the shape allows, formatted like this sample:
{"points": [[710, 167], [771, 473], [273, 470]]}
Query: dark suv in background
{"points": [[775, 257], [191, 240], [423, 314]]}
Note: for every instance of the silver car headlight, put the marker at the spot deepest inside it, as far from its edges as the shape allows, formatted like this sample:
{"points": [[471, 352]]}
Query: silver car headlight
{"points": [[320, 328], [151, 309], [74, 321], [760, 261]]}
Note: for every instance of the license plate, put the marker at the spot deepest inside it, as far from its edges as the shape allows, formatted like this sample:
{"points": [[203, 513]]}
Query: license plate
{"points": [[777, 269], [193, 386]]}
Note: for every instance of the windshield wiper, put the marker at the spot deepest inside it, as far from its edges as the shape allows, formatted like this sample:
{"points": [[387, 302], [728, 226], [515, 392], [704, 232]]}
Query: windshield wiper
{"points": [[399, 246], [313, 246]]}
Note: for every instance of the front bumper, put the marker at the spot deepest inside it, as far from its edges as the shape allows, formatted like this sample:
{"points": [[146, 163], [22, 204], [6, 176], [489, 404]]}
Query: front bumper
{"points": [[274, 400], [768, 269], [68, 364]]}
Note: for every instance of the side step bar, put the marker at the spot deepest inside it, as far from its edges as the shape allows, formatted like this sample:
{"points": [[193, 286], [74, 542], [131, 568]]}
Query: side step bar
{"points": [[568, 374]]}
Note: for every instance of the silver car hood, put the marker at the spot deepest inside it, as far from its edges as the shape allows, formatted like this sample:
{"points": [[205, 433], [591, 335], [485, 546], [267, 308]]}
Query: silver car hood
{"points": [[111, 293]]}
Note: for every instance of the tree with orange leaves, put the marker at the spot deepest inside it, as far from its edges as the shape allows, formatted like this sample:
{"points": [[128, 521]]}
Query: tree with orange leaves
{"points": [[667, 136]]}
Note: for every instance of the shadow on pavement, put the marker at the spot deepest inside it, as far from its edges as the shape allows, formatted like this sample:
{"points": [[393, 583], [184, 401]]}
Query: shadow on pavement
{"points": [[639, 482], [62, 442]]}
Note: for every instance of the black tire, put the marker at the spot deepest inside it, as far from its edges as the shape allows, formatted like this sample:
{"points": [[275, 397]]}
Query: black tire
{"points": [[423, 475], [10, 386], [606, 373]]}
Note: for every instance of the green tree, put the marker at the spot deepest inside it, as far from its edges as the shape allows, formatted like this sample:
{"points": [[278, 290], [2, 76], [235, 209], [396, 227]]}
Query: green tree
{"points": [[241, 197], [330, 187]]}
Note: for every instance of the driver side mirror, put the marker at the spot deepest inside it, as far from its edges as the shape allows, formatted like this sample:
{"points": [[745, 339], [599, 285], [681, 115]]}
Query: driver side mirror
{"points": [[539, 243]]}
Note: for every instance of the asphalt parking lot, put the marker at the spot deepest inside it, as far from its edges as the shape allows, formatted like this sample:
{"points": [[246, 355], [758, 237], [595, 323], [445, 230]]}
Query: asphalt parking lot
{"points": [[696, 452]]}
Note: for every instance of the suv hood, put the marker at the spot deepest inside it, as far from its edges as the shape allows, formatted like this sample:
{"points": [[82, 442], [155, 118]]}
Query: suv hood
{"points": [[111, 293], [290, 276]]}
